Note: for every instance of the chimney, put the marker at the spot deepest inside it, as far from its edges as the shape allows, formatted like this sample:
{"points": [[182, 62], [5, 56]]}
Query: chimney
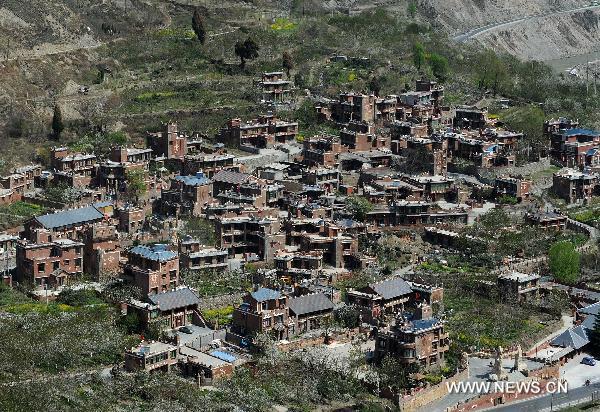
{"points": [[423, 311]]}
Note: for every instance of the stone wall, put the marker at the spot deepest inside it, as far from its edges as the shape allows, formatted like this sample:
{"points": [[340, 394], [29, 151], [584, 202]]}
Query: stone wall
{"points": [[421, 398]]}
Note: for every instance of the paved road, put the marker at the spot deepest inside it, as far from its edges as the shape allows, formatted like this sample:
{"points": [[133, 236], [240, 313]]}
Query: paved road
{"points": [[461, 38], [556, 402]]}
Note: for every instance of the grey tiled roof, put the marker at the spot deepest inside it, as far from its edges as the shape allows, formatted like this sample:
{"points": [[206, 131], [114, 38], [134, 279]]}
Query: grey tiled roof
{"points": [[70, 217], [228, 176], [158, 253], [574, 338], [174, 299], [315, 302], [391, 288], [593, 309], [264, 294]]}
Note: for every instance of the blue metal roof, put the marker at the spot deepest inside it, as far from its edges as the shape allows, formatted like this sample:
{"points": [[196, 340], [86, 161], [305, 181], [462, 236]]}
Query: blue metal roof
{"points": [[264, 294], [104, 203], [347, 223], [158, 253], [227, 357], [197, 180], [423, 324], [592, 152], [491, 149], [578, 131], [70, 217]]}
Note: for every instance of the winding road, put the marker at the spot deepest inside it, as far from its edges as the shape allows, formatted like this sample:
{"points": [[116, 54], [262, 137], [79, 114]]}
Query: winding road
{"points": [[461, 38]]}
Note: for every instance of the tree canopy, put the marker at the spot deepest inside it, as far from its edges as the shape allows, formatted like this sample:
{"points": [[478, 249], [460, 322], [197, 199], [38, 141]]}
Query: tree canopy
{"points": [[198, 26], [564, 262], [57, 122], [246, 50], [439, 66], [418, 55], [359, 206], [287, 62]]}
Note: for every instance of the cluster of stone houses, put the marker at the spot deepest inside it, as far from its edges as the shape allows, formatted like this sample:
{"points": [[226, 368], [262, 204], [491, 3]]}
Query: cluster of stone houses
{"points": [[283, 207]]}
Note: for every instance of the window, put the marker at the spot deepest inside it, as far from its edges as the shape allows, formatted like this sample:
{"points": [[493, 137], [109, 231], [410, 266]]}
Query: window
{"points": [[55, 265], [67, 262], [41, 267], [78, 262]]}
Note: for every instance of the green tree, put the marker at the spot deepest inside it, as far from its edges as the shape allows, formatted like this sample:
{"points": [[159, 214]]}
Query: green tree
{"points": [[359, 207], [200, 229], [530, 121], [136, 184], [246, 50], [347, 316], [491, 71], [198, 26], [287, 62], [412, 9], [375, 85], [564, 262], [57, 123], [439, 66], [418, 55]]}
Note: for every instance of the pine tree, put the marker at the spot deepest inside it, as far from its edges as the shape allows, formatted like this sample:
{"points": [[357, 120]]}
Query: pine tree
{"points": [[288, 63], [198, 26], [57, 123]]}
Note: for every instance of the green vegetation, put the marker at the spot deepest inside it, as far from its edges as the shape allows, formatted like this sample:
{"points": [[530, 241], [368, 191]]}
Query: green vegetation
{"points": [[418, 55], [219, 317], [54, 340], [439, 66], [594, 336], [247, 50], [282, 24], [564, 262], [300, 382], [57, 123], [200, 229], [99, 143], [136, 184], [16, 213], [209, 283], [508, 200], [480, 322], [198, 26], [530, 121], [358, 207], [499, 235], [79, 297]]}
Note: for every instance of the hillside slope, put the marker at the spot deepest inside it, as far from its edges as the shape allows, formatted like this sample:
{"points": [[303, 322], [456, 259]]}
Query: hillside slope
{"points": [[458, 16]]}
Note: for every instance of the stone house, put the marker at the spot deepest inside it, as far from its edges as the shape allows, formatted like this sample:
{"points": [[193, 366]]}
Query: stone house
{"points": [[49, 264], [154, 269], [264, 310], [418, 338], [150, 357]]}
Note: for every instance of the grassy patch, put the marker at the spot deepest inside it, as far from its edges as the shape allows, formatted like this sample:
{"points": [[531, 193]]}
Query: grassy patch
{"points": [[15, 214], [150, 96], [283, 24], [220, 316], [482, 323]]}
